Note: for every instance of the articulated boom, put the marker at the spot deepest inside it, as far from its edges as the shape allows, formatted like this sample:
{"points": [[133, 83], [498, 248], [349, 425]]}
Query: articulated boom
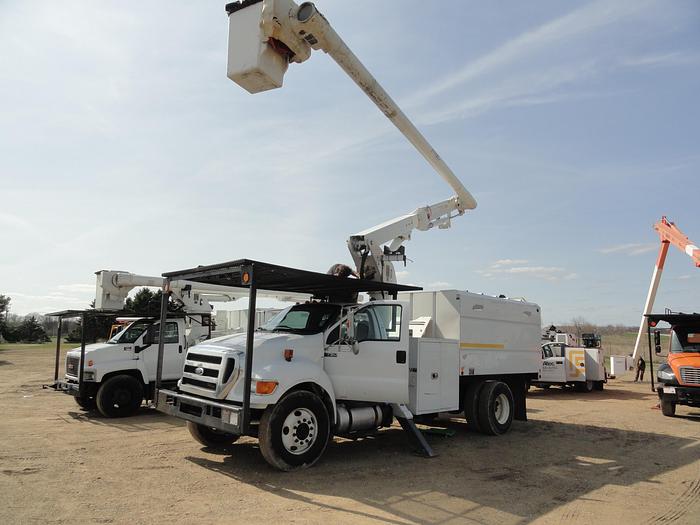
{"points": [[264, 37]]}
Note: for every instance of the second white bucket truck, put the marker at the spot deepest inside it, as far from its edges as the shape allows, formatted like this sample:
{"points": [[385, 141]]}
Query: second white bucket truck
{"points": [[332, 366], [117, 375]]}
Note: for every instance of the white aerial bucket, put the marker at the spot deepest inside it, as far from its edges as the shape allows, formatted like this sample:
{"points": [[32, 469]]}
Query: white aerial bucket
{"points": [[252, 63]]}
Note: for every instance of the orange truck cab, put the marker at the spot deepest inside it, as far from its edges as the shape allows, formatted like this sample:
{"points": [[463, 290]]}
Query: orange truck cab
{"points": [[679, 377]]}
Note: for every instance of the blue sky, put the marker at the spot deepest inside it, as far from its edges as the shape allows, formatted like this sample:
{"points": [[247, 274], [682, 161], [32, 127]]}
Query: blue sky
{"points": [[574, 124]]}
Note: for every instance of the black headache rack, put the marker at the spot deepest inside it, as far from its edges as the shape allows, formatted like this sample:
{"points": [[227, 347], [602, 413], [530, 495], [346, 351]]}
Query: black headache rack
{"points": [[75, 389], [256, 275], [672, 318]]}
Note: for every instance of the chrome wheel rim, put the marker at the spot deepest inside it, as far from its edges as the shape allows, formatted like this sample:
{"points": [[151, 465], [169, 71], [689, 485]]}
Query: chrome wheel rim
{"points": [[501, 409], [299, 431]]}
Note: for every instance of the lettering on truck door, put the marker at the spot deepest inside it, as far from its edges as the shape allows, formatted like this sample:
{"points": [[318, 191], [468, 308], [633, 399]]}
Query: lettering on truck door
{"points": [[379, 370]]}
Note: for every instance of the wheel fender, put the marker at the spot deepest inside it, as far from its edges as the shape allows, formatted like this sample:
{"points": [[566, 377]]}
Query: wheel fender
{"points": [[289, 376]]}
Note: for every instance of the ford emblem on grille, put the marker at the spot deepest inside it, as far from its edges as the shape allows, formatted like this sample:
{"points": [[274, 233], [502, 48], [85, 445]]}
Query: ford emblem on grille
{"points": [[199, 371]]}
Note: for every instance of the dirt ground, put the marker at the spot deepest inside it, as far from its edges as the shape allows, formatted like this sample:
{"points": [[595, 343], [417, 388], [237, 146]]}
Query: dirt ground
{"points": [[605, 457]]}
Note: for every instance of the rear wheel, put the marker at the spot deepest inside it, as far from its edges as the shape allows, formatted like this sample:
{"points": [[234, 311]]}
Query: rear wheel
{"points": [[471, 405], [496, 408], [120, 396], [668, 406], [599, 385], [210, 437], [294, 432], [584, 386]]}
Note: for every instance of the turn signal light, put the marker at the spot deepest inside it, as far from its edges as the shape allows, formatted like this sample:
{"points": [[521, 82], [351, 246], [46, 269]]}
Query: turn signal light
{"points": [[652, 323], [264, 388], [288, 354], [90, 363]]}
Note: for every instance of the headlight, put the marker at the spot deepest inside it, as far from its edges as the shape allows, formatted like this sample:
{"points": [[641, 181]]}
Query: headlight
{"points": [[88, 375], [666, 374]]}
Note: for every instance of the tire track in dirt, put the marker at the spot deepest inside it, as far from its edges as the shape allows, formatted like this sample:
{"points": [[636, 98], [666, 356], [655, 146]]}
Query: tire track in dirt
{"points": [[681, 504]]}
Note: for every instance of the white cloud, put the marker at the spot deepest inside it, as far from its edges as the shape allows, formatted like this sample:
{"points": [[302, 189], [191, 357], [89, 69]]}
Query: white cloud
{"points": [[674, 58], [438, 285], [630, 249], [77, 288], [515, 267]]}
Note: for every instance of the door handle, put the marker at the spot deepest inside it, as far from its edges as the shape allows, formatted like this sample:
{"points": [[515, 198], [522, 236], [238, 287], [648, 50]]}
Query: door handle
{"points": [[401, 357], [180, 349]]}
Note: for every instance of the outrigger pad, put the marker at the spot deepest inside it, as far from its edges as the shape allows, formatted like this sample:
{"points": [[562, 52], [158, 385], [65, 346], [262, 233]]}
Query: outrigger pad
{"points": [[417, 438]]}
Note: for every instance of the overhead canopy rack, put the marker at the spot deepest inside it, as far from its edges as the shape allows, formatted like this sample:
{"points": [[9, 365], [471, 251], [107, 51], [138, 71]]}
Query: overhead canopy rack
{"points": [[272, 277]]}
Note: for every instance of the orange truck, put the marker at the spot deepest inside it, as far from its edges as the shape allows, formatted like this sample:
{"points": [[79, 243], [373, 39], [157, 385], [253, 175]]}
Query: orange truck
{"points": [[679, 377]]}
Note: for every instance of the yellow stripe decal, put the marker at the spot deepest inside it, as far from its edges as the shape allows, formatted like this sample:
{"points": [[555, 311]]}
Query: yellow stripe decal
{"points": [[481, 345]]}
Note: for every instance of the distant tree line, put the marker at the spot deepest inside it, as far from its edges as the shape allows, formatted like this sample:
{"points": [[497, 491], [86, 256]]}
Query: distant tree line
{"points": [[36, 328]]}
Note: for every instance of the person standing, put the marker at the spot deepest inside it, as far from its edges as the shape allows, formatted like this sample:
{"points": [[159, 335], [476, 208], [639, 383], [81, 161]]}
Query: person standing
{"points": [[641, 366]]}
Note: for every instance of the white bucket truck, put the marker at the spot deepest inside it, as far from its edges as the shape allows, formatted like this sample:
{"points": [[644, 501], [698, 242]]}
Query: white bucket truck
{"points": [[332, 366], [117, 375], [326, 367]]}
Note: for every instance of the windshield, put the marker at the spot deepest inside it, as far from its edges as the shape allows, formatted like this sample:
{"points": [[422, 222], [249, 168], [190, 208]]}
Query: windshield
{"points": [[131, 333], [311, 318], [685, 339]]}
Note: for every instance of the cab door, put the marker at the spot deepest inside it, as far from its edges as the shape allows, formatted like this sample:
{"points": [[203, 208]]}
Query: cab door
{"points": [[376, 369], [173, 352]]}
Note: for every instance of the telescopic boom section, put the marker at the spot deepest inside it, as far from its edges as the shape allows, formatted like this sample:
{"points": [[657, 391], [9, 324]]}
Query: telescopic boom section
{"points": [[264, 37], [669, 234]]}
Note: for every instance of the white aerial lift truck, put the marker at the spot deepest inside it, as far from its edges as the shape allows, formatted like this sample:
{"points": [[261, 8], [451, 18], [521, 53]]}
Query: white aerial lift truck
{"points": [[117, 375], [331, 366]]}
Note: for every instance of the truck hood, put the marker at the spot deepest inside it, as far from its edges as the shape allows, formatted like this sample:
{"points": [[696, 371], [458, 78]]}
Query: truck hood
{"points": [[95, 347], [686, 359], [267, 341]]}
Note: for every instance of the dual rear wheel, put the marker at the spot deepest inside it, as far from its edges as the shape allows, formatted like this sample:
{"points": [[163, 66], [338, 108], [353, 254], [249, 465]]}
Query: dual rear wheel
{"points": [[489, 407]]}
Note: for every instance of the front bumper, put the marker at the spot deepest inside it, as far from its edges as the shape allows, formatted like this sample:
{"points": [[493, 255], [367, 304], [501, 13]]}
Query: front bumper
{"points": [[227, 418], [67, 387], [682, 395]]}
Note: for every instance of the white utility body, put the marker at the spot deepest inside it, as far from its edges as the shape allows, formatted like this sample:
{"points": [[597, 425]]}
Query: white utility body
{"points": [[334, 366]]}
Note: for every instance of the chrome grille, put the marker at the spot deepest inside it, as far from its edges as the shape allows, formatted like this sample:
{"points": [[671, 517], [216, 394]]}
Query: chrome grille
{"points": [[214, 371], [690, 375], [72, 365]]}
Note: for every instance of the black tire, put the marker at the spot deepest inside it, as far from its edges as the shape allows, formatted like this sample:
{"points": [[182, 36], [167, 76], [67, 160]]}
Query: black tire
{"points": [[211, 437], [120, 396], [496, 408], [86, 403], [585, 386], [668, 406], [471, 405], [600, 385], [294, 433]]}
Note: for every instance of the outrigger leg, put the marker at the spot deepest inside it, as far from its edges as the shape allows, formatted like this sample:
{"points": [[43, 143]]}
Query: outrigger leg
{"points": [[415, 436]]}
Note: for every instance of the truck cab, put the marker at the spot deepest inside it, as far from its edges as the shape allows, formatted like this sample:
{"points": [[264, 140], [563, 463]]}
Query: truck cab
{"points": [[120, 372], [679, 377]]}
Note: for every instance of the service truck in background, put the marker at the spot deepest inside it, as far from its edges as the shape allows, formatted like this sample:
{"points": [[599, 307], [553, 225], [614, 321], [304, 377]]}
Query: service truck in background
{"points": [[679, 376], [120, 373], [579, 367]]}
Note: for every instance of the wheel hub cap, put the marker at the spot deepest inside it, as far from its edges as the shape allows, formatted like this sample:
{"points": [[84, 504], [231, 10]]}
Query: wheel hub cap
{"points": [[299, 431]]}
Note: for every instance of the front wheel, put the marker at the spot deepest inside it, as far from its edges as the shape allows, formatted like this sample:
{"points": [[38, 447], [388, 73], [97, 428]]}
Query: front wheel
{"points": [[86, 403], [668, 406], [294, 432], [210, 437], [120, 396], [496, 408]]}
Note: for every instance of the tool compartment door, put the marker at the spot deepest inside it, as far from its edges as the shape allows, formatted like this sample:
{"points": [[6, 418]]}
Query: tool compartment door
{"points": [[595, 370], [434, 375]]}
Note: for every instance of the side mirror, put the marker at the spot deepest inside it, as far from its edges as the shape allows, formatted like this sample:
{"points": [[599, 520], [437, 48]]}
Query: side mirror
{"points": [[657, 341]]}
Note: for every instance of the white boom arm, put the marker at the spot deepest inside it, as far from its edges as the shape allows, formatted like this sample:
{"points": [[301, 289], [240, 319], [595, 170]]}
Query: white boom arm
{"points": [[113, 287], [264, 36]]}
